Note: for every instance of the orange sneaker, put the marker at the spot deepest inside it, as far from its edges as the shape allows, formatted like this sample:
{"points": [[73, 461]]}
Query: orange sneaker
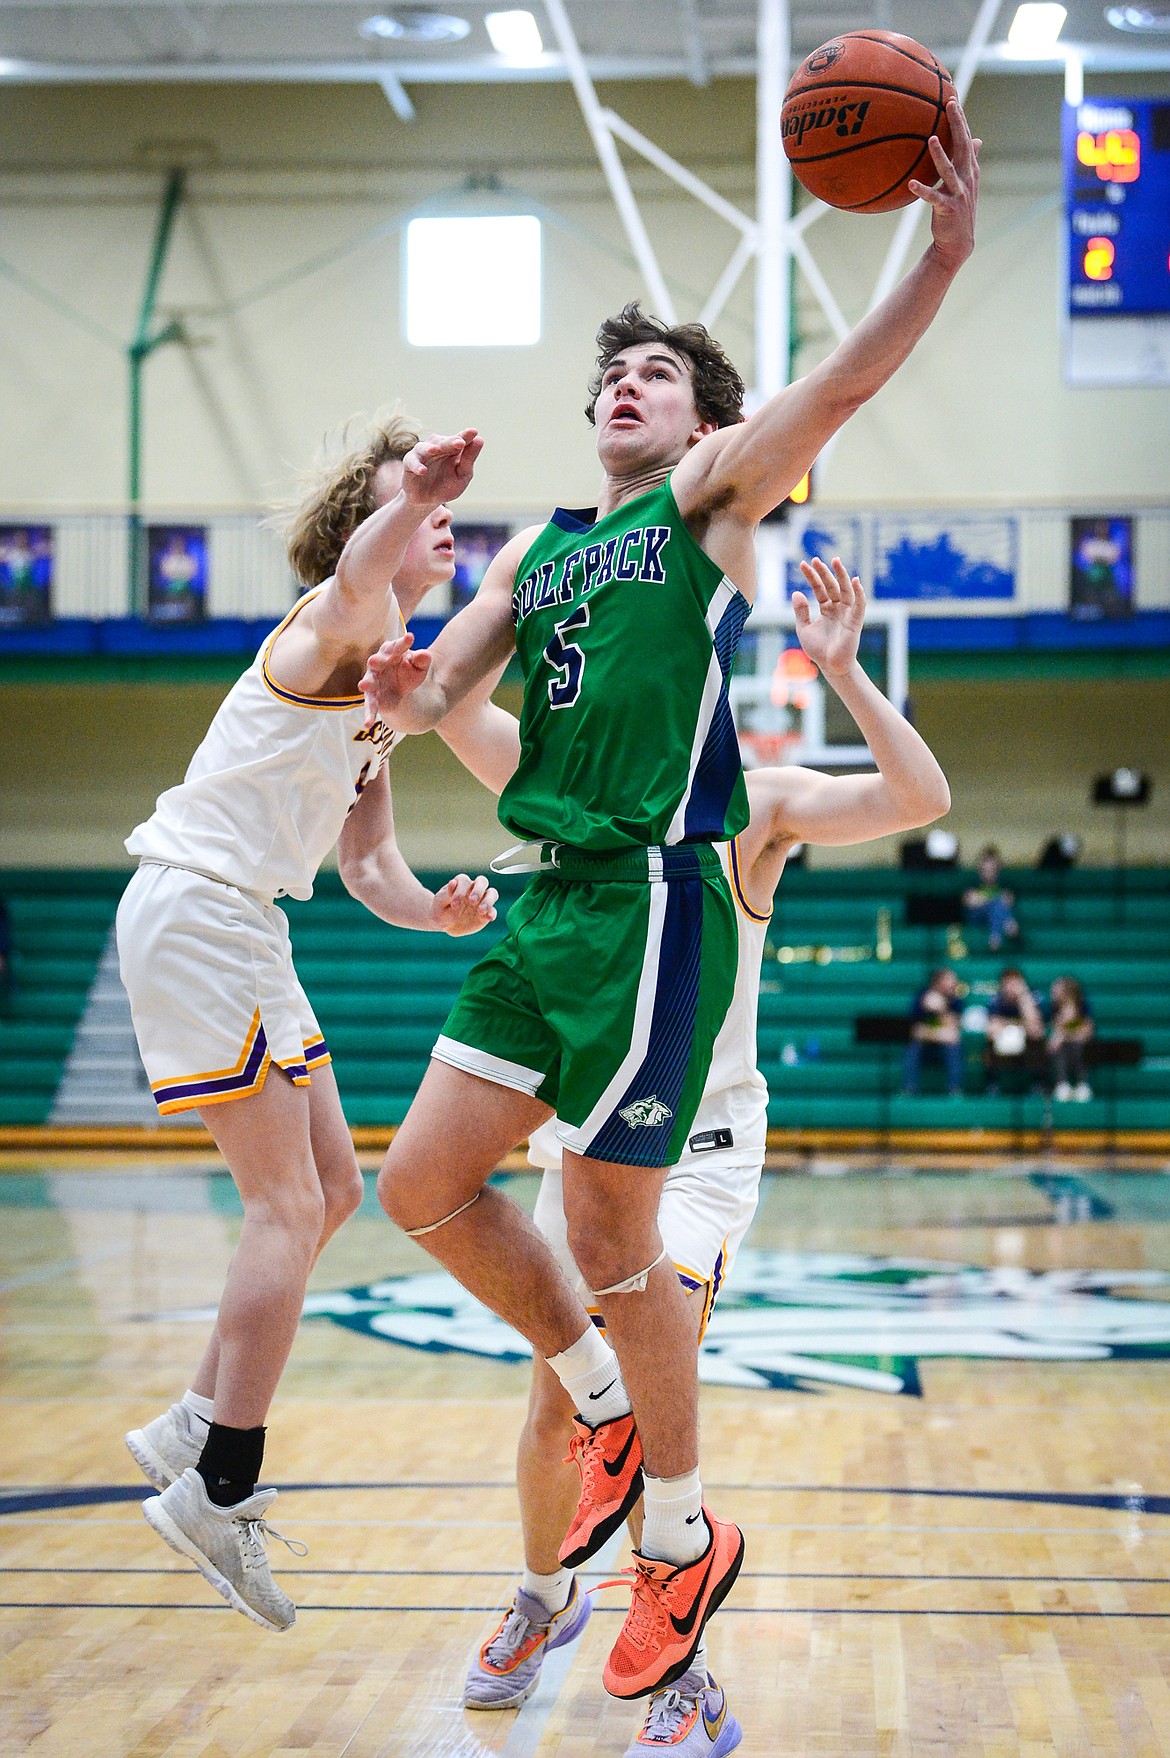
{"points": [[670, 1606], [609, 1458]]}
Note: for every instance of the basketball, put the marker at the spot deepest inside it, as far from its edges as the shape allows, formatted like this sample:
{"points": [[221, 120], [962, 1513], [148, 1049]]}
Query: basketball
{"points": [[857, 115]]}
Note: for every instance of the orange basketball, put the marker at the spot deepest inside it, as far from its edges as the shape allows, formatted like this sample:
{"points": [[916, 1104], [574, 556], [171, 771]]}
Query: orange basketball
{"points": [[857, 116]]}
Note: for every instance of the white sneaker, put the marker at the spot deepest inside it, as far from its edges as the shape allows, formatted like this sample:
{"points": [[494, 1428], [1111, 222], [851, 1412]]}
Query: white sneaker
{"points": [[1082, 1092], [226, 1545], [165, 1447], [1062, 1092], [506, 1671], [689, 1719]]}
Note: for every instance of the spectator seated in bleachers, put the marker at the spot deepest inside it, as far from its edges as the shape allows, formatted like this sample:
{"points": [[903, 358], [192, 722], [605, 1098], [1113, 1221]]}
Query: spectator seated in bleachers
{"points": [[1015, 1031], [1070, 1028], [935, 1029], [989, 904]]}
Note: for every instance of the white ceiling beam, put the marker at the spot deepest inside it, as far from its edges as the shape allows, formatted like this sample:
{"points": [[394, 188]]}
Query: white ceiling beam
{"points": [[820, 287], [697, 63], [490, 70], [728, 281], [679, 173], [397, 95], [469, 70], [611, 164], [773, 199]]}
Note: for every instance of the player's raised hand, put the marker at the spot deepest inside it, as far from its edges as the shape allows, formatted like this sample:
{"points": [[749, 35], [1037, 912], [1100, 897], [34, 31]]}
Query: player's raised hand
{"points": [[438, 469], [391, 674], [953, 200], [464, 905], [831, 641]]}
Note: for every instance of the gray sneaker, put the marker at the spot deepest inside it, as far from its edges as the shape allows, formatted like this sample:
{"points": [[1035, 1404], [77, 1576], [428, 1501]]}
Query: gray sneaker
{"points": [[689, 1719], [164, 1448], [226, 1545], [506, 1670]]}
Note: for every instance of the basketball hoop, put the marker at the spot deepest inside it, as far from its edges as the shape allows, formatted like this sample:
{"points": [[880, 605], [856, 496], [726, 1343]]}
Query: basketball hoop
{"points": [[765, 750]]}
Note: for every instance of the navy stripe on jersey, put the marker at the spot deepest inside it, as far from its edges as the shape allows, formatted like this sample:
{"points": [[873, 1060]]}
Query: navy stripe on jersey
{"points": [[728, 632], [672, 1027], [574, 518], [718, 768]]}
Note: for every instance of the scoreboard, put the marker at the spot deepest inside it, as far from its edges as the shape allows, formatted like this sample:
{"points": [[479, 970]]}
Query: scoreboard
{"points": [[1117, 202]]}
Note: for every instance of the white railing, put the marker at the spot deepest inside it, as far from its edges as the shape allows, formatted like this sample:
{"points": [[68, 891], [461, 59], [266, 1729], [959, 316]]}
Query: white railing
{"points": [[246, 574]]}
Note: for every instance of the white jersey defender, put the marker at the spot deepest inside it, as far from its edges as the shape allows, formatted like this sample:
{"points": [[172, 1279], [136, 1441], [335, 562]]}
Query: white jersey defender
{"points": [[710, 1194], [266, 794], [204, 952]]}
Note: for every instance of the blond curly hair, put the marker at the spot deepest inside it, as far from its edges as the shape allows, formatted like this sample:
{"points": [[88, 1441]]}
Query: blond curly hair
{"points": [[339, 493]]}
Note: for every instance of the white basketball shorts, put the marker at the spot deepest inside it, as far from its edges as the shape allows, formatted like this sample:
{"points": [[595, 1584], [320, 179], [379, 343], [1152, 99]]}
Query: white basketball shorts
{"points": [[703, 1214], [213, 992]]}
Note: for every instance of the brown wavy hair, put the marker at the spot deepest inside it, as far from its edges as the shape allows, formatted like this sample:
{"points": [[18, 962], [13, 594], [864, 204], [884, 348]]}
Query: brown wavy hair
{"points": [[339, 493], [719, 390]]}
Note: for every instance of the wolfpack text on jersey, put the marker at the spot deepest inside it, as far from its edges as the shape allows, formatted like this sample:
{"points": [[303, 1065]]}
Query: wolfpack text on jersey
{"points": [[626, 632]]}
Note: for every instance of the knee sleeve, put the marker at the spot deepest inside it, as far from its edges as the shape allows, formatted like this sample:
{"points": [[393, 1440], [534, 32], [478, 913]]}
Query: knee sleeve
{"points": [[417, 1232], [635, 1284]]}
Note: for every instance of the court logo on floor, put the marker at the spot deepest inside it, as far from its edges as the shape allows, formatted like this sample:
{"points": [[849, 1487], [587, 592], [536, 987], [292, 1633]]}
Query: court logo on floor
{"points": [[809, 1320]]}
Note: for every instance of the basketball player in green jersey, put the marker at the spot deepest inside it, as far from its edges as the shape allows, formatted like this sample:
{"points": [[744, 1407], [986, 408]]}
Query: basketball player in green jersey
{"points": [[604, 999]]}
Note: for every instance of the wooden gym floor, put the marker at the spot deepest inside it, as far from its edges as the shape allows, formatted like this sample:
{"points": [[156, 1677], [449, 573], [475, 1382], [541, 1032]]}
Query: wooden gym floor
{"points": [[943, 1424]]}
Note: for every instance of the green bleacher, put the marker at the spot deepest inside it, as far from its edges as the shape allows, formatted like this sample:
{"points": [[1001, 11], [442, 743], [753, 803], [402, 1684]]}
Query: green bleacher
{"points": [[60, 922], [381, 993], [1111, 931]]}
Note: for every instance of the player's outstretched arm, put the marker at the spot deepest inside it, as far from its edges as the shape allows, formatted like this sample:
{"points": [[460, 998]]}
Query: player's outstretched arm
{"points": [[484, 736], [801, 805], [414, 691], [373, 870], [748, 470]]}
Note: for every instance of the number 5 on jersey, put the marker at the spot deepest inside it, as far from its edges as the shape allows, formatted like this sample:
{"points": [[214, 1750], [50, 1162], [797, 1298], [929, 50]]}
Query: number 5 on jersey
{"points": [[567, 660]]}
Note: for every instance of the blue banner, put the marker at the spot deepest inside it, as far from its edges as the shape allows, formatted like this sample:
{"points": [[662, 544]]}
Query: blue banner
{"points": [[921, 557]]}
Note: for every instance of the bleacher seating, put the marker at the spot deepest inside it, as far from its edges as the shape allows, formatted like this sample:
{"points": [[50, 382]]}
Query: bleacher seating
{"points": [[381, 994], [1114, 934], [60, 924]]}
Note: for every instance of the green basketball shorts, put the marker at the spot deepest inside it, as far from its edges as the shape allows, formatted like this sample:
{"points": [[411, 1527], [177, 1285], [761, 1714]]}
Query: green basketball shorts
{"points": [[605, 997]]}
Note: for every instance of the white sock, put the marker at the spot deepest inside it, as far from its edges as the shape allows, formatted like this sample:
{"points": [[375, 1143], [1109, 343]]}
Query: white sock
{"points": [[699, 1663], [551, 1590], [674, 1530], [590, 1374], [198, 1405]]}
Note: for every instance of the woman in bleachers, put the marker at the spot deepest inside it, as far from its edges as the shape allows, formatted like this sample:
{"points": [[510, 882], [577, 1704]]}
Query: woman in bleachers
{"points": [[1015, 1029], [1070, 1028]]}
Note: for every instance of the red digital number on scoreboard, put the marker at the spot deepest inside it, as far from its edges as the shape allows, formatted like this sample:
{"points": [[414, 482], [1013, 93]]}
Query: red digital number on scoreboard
{"points": [[1116, 155]]}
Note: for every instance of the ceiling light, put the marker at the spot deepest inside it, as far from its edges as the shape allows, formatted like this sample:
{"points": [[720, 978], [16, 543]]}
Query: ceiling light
{"points": [[515, 35], [415, 25], [1034, 29], [1139, 18]]}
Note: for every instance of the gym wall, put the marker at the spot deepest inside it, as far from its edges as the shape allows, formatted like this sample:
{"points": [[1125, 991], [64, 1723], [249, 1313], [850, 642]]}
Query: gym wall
{"points": [[285, 271], [82, 765]]}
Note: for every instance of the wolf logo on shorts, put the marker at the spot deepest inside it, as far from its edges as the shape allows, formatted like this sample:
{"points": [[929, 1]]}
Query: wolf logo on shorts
{"points": [[646, 1113]]}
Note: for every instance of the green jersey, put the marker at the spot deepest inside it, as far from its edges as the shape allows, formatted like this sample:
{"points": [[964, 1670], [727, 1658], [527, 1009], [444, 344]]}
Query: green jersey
{"points": [[626, 632]]}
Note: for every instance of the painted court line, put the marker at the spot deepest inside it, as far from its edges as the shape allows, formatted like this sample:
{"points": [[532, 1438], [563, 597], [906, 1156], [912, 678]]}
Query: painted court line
{"points": [[742, 1611], [1039, 1580], [50, 1273], [25, 1499]]}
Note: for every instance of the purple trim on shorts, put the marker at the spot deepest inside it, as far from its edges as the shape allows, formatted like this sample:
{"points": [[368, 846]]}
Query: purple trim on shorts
{"points": [[224, 1083]]}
